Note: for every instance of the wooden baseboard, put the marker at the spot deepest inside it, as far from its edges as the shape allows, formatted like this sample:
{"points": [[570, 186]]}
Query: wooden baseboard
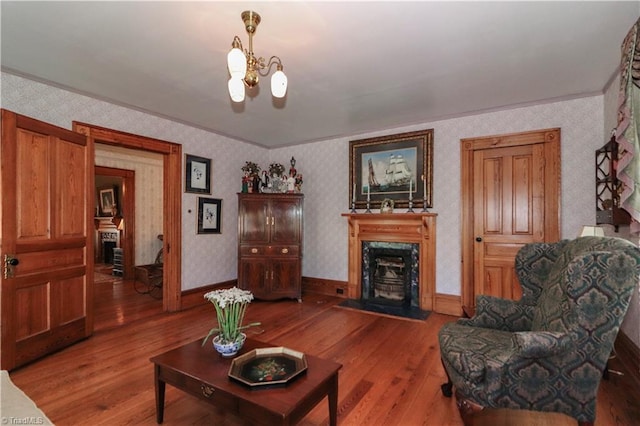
{"points": [[324, 286], [448, 304], [444, 303], [195, 297], [629, 356]]}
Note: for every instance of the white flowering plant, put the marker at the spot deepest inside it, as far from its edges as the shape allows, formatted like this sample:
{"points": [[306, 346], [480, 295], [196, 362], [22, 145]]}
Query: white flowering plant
{"points": [[231, 305]]}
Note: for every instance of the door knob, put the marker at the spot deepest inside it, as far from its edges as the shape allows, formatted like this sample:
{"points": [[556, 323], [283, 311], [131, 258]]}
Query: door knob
{"points": [[479, 239], [9, 263]]}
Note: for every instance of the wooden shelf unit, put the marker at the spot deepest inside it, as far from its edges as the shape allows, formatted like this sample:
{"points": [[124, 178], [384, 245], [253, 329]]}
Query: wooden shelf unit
{"points": [[270, 245]]}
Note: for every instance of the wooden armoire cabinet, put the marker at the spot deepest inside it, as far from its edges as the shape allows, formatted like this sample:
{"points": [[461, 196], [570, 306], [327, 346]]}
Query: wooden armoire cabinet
{"points": [[270, 245]]}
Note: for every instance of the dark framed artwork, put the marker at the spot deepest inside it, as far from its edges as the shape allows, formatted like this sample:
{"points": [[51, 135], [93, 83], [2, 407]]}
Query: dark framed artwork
{"points": [[107, 201], [387, 167], [209, 215], [197, 174]]}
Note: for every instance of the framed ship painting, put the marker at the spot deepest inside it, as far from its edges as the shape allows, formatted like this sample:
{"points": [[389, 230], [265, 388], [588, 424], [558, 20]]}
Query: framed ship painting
{"points": [[390, 167]]}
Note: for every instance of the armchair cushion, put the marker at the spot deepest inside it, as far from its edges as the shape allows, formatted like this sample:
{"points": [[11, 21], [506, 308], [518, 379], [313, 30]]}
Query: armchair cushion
{"points": [[473, 351], [540, 344], [500, 314]]}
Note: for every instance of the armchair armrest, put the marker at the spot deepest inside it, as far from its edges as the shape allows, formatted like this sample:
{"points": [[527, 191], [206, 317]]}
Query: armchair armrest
{"points": [[500, 314], [541, 344]]}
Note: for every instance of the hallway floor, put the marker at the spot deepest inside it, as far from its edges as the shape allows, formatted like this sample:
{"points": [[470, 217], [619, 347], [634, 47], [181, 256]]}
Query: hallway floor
{"points": [[117, 303]]}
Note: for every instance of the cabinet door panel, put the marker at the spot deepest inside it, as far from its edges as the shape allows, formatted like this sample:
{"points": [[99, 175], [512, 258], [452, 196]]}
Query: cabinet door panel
{"points": [[287, 215], [254, 276], [254, 221], [286, 277]]}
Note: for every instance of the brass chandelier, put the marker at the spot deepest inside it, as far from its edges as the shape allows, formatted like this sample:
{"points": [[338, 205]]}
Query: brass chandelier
{"points": [[244, 67]]}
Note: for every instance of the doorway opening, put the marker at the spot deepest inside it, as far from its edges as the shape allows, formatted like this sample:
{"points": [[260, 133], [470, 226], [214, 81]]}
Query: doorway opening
{"points": [[171, 209], [117, 238]]}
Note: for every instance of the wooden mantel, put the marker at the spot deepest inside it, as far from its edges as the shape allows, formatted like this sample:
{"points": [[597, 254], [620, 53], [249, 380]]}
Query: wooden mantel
{"points": [[415, 228]]}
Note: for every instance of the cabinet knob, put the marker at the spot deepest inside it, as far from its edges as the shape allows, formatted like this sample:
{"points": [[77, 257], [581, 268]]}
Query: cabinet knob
{"points": [[285, 250], [254, 250], [207, 390]]}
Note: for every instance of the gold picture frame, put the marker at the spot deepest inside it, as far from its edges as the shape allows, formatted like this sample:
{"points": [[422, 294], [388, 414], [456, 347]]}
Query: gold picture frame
{"points": [[386, 167]]}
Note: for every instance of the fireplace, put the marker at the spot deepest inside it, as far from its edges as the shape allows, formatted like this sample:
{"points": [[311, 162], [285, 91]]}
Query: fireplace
{"points": [[107, 238], [390, 273], [405, 243]]}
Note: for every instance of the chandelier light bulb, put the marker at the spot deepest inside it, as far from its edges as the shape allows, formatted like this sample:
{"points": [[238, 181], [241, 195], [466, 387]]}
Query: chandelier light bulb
{"points": [[236, 89], [278, 84], [237, 63], [244, 67]]}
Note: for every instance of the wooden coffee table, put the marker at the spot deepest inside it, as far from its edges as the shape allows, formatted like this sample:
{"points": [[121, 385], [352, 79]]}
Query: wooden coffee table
{"points": [[202, 372]]}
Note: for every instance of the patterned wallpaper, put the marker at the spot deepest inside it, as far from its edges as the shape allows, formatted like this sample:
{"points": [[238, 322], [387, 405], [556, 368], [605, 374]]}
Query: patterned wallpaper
{"points": [[212, 258], [586, 124], [325, 169], [207, 259]]}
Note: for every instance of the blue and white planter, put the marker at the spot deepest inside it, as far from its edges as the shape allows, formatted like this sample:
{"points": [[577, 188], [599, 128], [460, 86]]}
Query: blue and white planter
{"points": [[229, 349]]}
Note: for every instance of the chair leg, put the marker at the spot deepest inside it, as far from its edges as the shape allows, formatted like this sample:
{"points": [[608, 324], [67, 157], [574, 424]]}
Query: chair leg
{"points": [[467, 409], [446, 387]]}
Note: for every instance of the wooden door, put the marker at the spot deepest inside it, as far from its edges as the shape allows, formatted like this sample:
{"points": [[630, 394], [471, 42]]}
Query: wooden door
{"points": [[47, 191], [508, 213], [511, 187]]}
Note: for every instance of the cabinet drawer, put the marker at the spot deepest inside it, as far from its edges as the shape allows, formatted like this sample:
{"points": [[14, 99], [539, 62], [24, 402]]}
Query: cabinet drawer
{"points": [[284, 250], [279, 250], [253, 250], [199, 389]]}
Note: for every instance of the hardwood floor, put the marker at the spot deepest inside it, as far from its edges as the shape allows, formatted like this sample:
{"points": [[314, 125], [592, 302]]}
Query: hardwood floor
{"points": [[391, 371], [116, 303]]}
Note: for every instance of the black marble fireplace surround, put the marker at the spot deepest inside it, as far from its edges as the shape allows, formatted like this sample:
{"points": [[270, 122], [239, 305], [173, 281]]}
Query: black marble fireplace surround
{"points": [[390, 280]]}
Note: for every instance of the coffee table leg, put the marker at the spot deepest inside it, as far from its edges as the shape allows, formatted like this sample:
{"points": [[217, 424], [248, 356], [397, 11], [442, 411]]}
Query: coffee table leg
{"points": [[160, 387], [333, 400]]}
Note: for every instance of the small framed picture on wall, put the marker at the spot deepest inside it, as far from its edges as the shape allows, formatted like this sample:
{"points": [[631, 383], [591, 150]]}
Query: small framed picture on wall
{"points": [[107, 202], [197, 174], [209, 215]]}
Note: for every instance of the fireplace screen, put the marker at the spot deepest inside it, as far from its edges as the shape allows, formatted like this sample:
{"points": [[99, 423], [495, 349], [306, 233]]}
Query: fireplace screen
{"points": [[390, 273], [389, 278]]}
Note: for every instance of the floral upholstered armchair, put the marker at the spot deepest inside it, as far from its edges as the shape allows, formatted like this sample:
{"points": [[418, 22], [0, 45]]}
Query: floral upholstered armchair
{"points": [[548, 350]]}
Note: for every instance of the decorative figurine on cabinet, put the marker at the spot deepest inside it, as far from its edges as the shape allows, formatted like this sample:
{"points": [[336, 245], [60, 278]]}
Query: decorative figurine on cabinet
{"points": [[245, 183], [292, 171], [265, 184], [291, 183]]}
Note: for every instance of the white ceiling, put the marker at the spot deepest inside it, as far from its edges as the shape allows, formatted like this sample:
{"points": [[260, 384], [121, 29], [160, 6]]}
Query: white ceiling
{"points": [[353, 67]]}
